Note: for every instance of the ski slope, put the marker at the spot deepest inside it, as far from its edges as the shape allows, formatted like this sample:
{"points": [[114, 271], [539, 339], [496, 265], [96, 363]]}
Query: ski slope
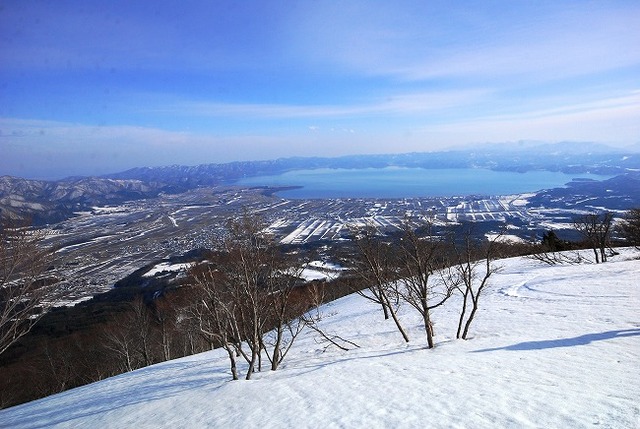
{"points": [[552, 347]]}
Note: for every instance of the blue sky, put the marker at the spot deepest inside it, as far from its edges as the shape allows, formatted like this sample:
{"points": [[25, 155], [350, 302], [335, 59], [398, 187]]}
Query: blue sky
{"points": [[95, 87]]}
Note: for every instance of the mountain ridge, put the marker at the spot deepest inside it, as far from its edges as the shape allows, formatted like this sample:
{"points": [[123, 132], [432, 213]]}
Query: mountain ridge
{"points": [[43, 201]]}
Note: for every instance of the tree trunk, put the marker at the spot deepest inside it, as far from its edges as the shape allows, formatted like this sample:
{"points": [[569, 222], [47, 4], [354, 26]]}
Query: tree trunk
{"points": [[386, 305], [469, 320], [252, 365], [232, 360], [399, 326], [428, 329], [275, 359], [385, 311], [166, 347], [462, 313]]}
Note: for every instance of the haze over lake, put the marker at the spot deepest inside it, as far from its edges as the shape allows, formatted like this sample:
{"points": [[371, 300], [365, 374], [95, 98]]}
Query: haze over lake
{"points": [[397, 182]]}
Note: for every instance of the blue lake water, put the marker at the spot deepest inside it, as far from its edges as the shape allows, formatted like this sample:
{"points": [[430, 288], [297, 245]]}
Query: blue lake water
{"points": [[396, 182]]}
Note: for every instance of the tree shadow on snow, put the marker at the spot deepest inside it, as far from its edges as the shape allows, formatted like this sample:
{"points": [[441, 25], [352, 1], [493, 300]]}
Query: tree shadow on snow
{"points": [[566, 342], [122, 391]]}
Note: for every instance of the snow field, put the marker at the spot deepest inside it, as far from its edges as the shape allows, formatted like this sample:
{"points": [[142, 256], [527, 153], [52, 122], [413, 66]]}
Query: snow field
{"points": [[167, 267], [552, 347]]}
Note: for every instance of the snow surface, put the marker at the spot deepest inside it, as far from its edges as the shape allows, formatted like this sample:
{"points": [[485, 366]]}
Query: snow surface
{"points": [[167, 267], [505, 238], [321, 270], [553, 347], [309, 274]]}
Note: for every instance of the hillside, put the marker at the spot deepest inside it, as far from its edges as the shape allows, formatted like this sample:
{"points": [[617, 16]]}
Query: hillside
{"points": [[554, 346]]}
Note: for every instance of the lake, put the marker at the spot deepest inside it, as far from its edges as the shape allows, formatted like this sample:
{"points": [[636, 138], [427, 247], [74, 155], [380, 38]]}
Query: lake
{"points": [[397, 182]]}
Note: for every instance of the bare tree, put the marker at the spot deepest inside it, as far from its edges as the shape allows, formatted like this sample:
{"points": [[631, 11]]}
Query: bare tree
{"points": [[139, 321], [57, 370], [118, 341], [216, 314], [595, 228], [419, 258], [129, 337], [629, 227], [376, 266], [247, 267], [26, 293], [474, 266], [287, 308], [186, 336], [164, 315], [314, 316], [250, 302]]}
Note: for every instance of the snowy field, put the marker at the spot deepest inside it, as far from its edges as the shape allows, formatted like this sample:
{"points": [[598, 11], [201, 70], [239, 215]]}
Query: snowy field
{"points": [[164, 267], [320, 270], [553, 347]]}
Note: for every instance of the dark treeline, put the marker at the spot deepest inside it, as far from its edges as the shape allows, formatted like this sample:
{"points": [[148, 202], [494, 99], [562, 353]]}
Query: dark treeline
{"points": [[119, 331]]}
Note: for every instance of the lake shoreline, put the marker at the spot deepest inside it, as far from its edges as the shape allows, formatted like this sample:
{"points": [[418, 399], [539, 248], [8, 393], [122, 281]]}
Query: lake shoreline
{"points": [[406, 182]]}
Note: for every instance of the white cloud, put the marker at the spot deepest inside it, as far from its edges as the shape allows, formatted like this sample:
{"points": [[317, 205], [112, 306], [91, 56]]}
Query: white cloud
{"points": [[398, 104], [614, 121], [433, 40], [49, 149]]}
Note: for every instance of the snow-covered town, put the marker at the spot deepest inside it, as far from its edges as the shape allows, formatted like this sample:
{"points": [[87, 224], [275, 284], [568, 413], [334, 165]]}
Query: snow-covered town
{"points": [[101, 246]]}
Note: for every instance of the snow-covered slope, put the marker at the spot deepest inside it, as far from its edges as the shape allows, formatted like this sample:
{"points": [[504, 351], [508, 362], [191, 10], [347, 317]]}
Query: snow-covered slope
{"points": [[553, 347]]}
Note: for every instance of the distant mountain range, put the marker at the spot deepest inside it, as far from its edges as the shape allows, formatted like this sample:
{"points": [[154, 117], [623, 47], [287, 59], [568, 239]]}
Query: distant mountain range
{"points": [[567, 158], [51, 201]]}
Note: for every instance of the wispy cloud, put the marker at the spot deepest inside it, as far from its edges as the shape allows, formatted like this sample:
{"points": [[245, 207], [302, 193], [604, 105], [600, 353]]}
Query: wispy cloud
{"points": [[44, 149], [610, 121], [400, 104], [435, 41], [624, 104]]}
